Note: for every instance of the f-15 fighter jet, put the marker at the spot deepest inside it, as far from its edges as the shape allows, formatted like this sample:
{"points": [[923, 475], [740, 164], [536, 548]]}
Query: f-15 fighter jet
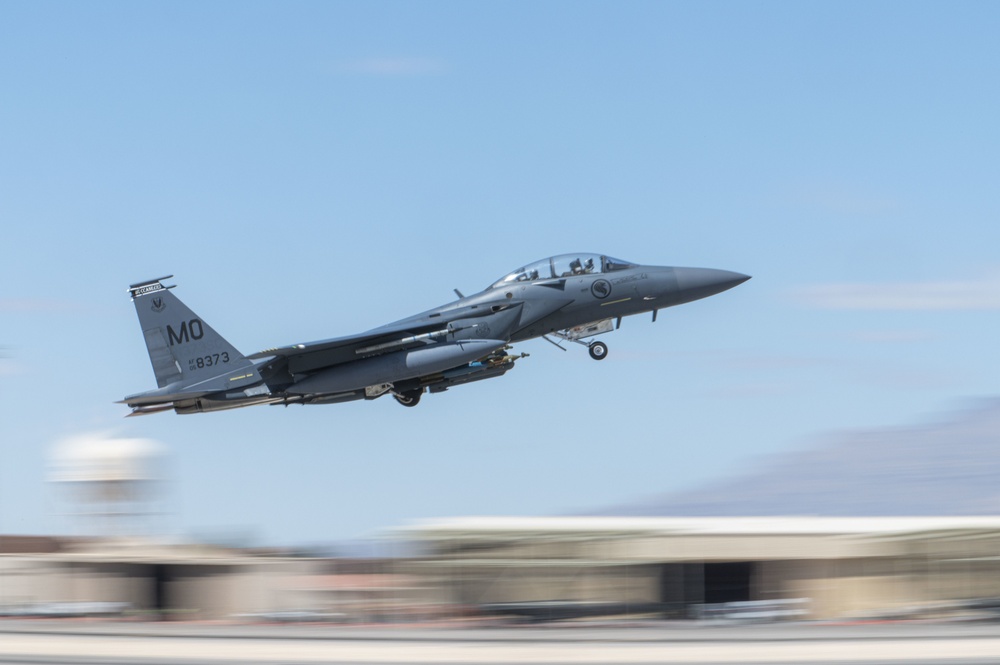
{"points": [[567, 298]]}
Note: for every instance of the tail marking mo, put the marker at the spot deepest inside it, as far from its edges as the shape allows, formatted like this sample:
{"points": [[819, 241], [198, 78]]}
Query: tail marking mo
{"points": [[190, 330]]}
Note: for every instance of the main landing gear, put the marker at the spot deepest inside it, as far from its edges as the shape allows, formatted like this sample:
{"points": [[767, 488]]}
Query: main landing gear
{"points": [[409, 398], [598, 350]]}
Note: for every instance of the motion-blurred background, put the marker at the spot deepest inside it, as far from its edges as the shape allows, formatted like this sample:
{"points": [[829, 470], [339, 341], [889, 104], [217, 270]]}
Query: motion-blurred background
{"points": [[819, 442]]}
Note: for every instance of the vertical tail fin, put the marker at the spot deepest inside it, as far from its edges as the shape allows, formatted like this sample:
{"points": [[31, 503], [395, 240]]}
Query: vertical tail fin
{"points": [[181, 345]]}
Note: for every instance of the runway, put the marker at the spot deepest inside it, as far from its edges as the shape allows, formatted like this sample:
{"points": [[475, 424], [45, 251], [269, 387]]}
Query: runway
{"points": [[63, 642]]}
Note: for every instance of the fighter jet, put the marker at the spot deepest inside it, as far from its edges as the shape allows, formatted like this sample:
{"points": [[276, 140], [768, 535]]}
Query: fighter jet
{"points": [[568, 298]]}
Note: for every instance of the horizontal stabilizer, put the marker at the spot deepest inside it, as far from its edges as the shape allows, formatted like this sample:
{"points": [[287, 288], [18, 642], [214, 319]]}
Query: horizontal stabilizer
{"points": [[149, 410]]}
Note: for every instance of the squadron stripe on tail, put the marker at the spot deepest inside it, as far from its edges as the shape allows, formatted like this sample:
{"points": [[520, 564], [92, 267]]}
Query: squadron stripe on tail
{"points": [[149, 286]]}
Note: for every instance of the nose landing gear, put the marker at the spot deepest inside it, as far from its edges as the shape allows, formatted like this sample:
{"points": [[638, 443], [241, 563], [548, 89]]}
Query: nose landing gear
{"points": [[598, 350]]}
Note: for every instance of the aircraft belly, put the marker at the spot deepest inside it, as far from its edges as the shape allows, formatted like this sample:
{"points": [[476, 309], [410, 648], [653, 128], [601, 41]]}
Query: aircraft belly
{"points": [[564, 320], [207, 404], [397, 366]]}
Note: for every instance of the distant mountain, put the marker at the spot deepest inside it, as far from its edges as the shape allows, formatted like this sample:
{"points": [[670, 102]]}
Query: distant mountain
{"points": [[945, 468]]}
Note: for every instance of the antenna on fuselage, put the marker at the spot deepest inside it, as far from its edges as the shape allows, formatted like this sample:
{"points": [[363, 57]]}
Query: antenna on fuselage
{"points": [[458, 293]]}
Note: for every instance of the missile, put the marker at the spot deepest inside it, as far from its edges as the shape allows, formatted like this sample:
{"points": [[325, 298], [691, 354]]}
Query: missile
{"points": [[397, 366], [406, 341]]}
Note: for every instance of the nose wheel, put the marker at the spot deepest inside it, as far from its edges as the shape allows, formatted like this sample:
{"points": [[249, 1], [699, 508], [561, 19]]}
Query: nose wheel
{"points": [[408, 398], [598, 350]]}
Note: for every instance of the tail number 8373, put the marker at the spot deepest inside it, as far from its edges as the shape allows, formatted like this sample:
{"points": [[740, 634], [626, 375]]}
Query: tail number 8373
{"points": [[208, 361]]}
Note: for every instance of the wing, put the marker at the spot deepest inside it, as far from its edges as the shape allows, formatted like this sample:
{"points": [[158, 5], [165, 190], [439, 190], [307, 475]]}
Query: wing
{"points": [[311, 356], [417, 331]]}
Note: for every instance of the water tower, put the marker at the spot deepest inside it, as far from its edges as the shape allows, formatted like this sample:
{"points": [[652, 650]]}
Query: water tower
{"points": [[112, 486]]}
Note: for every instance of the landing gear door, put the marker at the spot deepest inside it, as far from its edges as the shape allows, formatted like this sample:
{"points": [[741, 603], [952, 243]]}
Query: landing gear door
{"points": [[589, 330]]}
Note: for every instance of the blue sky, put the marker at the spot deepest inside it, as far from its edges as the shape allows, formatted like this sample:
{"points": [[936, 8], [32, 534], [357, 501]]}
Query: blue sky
{"points": [[309, 170]]}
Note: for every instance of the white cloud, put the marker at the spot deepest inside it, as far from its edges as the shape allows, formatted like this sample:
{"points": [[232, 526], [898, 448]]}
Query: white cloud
{"points": [[31, 305], [895, 376], [762, 362], [8, 367], [405, 66], [760, 390], [972, 294], [891, 336]]}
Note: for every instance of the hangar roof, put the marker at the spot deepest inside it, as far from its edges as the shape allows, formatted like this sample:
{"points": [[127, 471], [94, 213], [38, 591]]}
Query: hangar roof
{"points": [[705, 526]]}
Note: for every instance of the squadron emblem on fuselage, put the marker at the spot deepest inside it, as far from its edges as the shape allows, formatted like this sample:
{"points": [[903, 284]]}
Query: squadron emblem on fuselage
{"points": [[601, 288]]}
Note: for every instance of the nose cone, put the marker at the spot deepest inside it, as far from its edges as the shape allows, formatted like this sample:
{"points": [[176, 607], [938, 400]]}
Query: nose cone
{"points": [[696, 283]]}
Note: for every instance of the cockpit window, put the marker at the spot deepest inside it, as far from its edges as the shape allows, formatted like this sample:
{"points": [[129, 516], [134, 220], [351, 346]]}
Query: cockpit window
{"points": [[537, 270], [569, 265], [612, 264], [564, 265]]}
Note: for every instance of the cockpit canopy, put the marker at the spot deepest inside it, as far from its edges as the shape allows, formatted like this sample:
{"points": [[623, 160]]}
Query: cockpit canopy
{"points": [[564, 265]]}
